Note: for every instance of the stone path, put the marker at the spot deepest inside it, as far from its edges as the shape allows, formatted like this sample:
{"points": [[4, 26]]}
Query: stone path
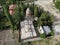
{"points": [[6, 37]]}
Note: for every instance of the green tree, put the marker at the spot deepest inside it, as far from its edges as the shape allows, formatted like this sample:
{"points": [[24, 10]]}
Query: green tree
{"points": [[8, 16], [5, 6], [22, 13]]}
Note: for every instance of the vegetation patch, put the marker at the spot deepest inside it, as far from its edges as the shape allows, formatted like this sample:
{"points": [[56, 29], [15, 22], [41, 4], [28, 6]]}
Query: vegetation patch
{"points": [[57, 4]]}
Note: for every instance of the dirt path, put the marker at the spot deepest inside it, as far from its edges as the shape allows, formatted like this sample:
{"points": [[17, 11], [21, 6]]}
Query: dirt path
{"points": [[48, 5]]}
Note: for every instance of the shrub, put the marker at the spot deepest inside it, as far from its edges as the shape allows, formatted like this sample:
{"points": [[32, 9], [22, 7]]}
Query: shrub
{"points": [[42, 35], [45, 19], [57, 4]]}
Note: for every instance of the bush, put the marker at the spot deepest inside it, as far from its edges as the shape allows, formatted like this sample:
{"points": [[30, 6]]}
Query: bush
{"points": [[42, 35], [3, 22], [52, 32], [57, 4], [45, 19]]}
